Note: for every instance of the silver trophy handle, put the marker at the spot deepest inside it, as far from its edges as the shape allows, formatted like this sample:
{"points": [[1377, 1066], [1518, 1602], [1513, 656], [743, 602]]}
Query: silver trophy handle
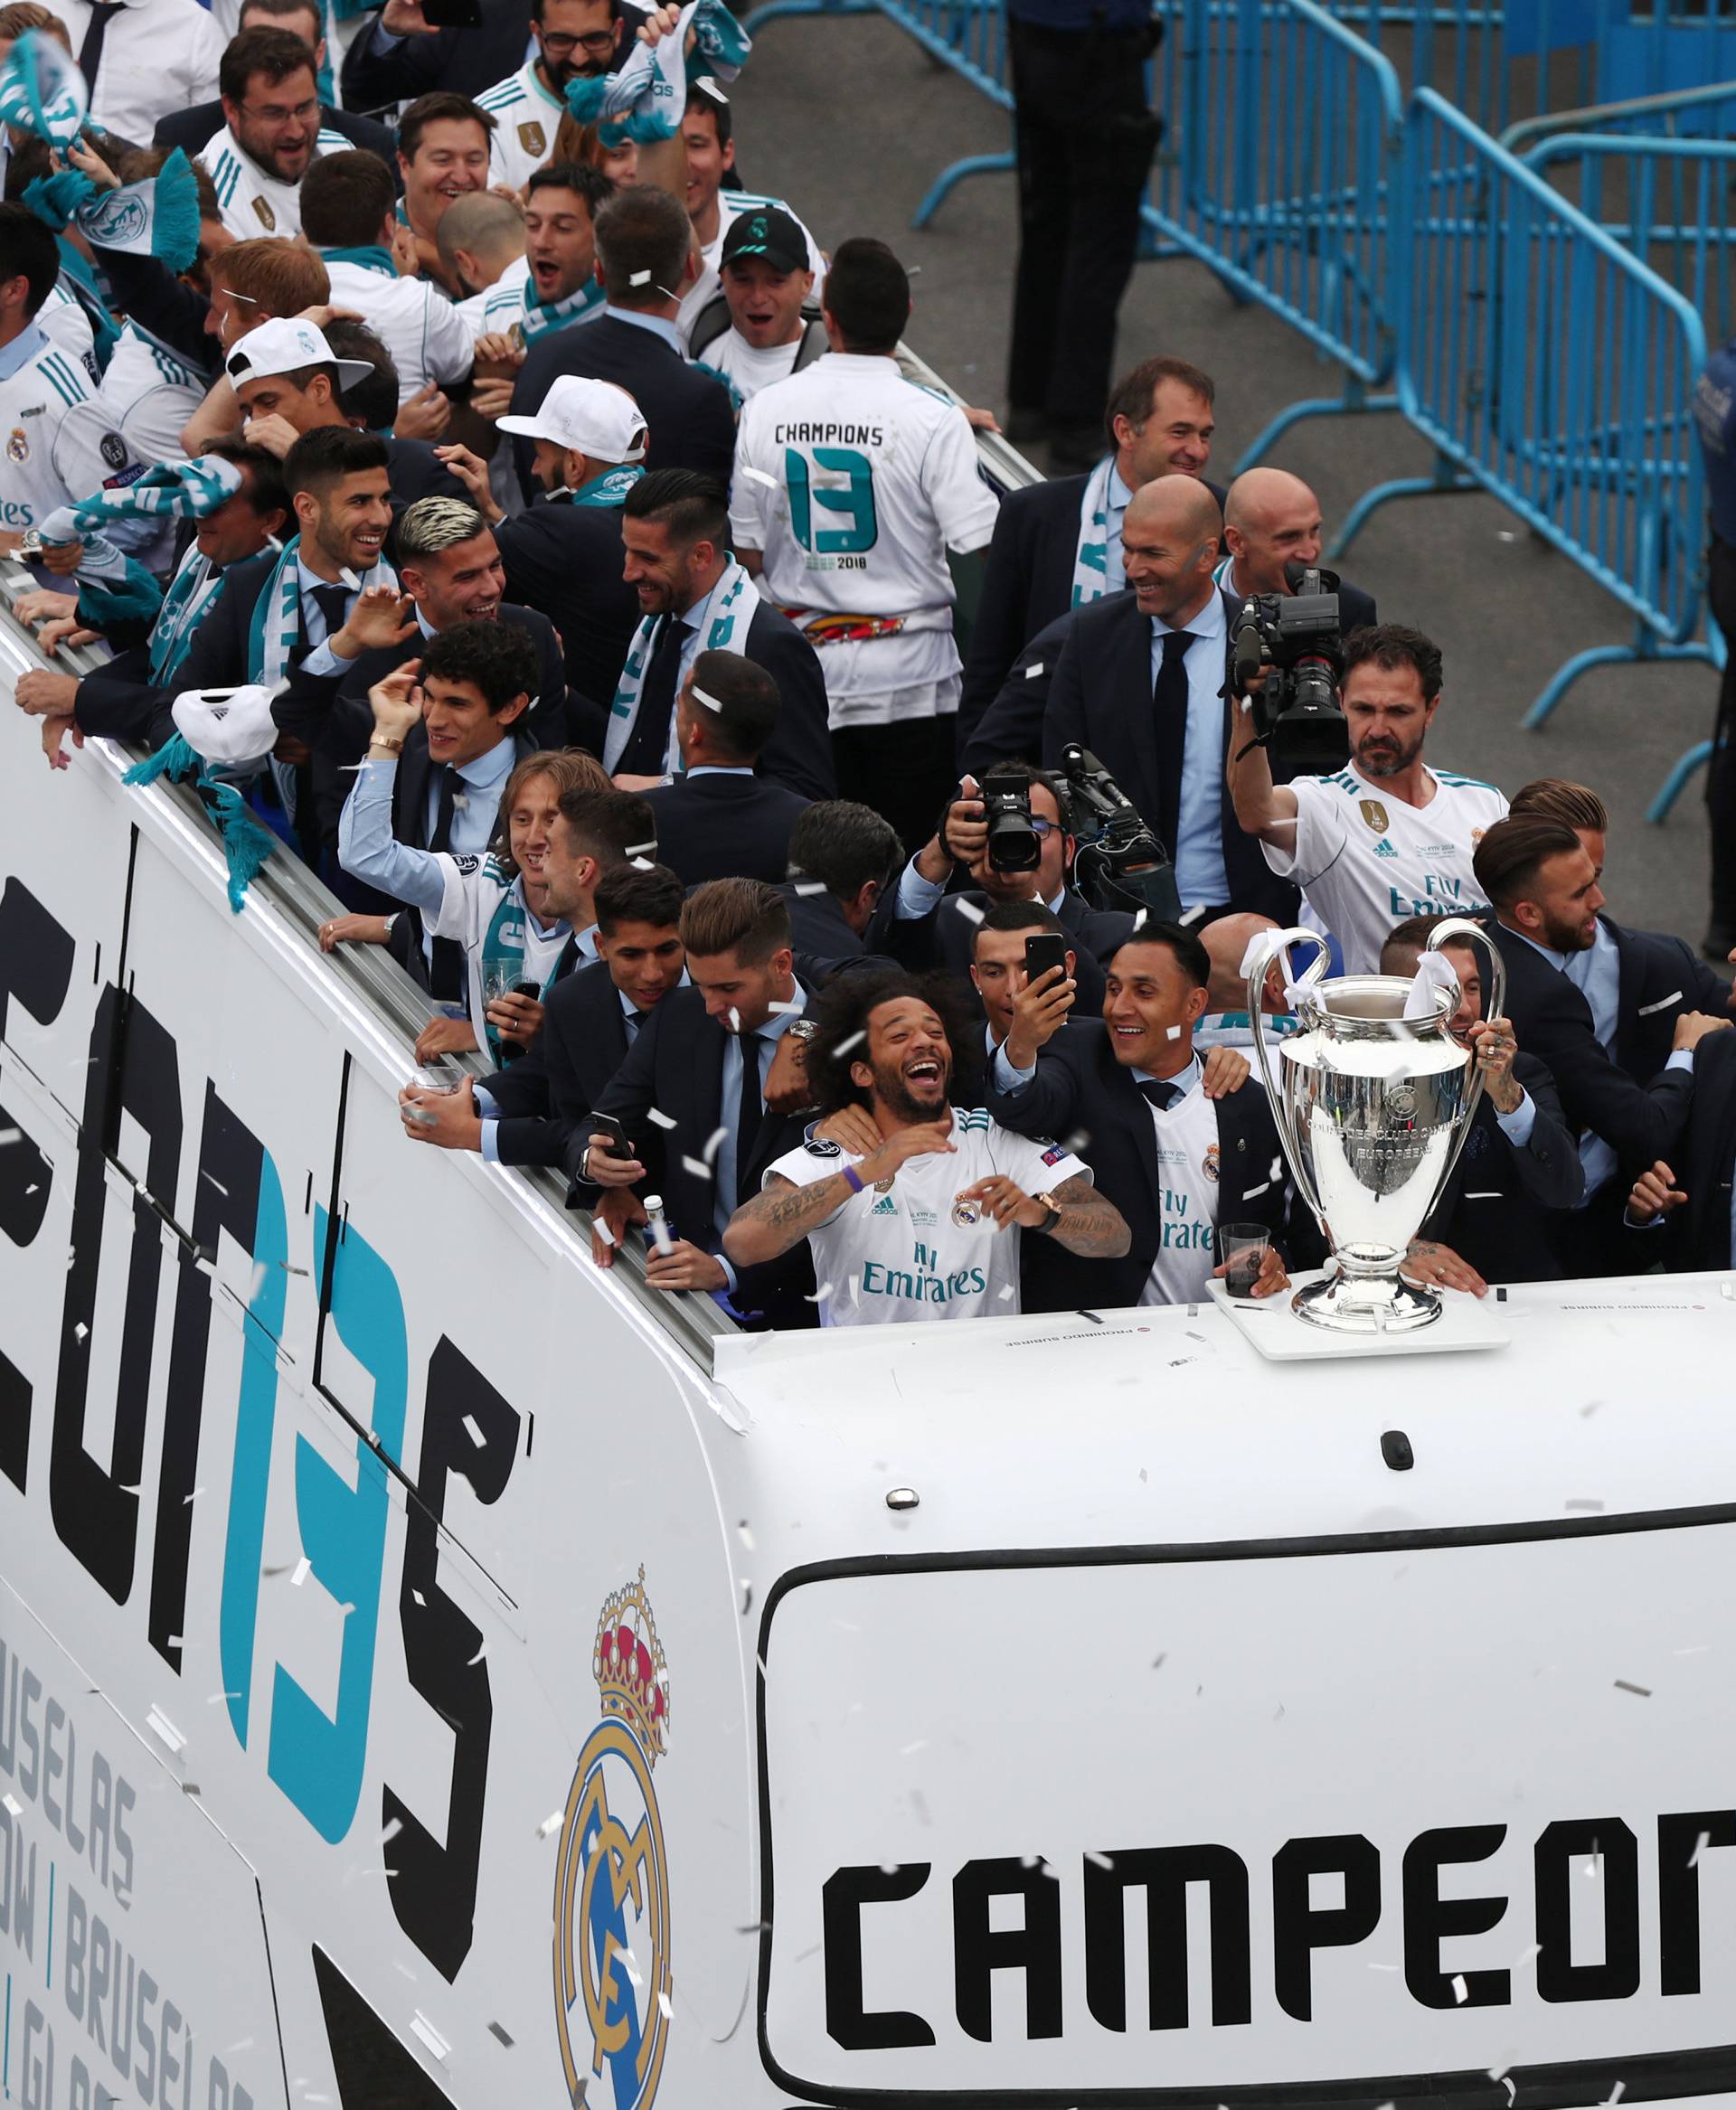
{"points": [[1460, 928], [1270, 945]]}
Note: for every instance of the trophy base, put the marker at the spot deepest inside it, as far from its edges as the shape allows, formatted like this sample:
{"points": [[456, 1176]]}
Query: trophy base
{"points": [[1366, 1304], [1279, 1332]]}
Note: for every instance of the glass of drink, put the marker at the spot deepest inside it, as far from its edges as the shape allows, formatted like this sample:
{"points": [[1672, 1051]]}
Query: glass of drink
{"points": [[1241, 1252]]}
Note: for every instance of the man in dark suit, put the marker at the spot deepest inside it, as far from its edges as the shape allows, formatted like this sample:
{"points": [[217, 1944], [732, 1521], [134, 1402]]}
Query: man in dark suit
{"points": [[1140, 683], [1520, 1161], [704, 1063], [191, 128], [719, 819], [843, 857], [692, 595], [1176, 1163], [921, 925], [400, 56], [643, 238], [1690, 1227], [1052, 550], [1577, 988], [523, 1115]]}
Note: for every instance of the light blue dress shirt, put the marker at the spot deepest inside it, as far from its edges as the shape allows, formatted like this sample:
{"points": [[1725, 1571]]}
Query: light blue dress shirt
{"points": [[1198, 852], [658, 324]]}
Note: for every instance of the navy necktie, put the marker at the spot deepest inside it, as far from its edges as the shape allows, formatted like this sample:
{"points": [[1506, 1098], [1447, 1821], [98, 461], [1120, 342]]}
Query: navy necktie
{"points": [[90, 50], [1169, 718], [749, 1117], [1162, 1096]]}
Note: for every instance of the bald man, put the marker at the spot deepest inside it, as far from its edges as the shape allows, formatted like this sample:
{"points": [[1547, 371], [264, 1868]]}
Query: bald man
{"points": [[1226, 1023], [1271, 519], [1139, 682], [1058, 544]]}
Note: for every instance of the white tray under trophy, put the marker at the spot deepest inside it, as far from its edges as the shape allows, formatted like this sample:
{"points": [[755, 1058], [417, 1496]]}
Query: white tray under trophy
{"points": [[1271, 1327]]}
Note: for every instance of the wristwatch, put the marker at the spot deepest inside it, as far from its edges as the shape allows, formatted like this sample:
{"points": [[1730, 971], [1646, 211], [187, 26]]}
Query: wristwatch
{"points": [[1054, 1215]]}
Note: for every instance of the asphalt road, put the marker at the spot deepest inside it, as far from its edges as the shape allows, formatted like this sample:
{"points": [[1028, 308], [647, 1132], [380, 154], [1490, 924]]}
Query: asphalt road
{"points": [[849, 121]]}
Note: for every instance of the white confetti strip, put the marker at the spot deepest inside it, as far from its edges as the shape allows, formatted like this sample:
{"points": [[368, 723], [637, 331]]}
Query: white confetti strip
{"points": [[697, 1167], [968, 909], [551, 1823], [1461, 1991], [855, 1040], [803, 887], [735, 1019], [304, 1568], [714, 1144], [661, 1119], [474, 1431], [641, 850], [710, 702], [11, 1805], [782, 1010], [1191, 915], [640, 278], [164, 1731], [1030, 673], [759, 477]]}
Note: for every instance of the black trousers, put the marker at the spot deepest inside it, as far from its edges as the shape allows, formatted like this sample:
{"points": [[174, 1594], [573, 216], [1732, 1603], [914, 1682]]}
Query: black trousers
{"points": [[1084, 134], [1720, 777], [904, 771]]}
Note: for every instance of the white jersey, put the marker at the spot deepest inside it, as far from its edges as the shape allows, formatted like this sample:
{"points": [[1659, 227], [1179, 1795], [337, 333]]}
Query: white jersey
{"points": [[493, 312], [1367, 861], [854, 482], [63, 321], [482, 908], [915, 1250], [416, 323], [744, 367], [59, 445], [731, 205], [1186, 1137], [526, 117], [149, 394], [253, 201]]}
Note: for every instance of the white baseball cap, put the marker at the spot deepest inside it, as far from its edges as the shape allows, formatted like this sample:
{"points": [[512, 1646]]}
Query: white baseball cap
{"points": [[285, 346], [227, 725], [594, 417]]}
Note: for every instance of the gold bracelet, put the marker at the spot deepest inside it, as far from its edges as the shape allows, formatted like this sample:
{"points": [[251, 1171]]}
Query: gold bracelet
{"points": [[391, 745]]}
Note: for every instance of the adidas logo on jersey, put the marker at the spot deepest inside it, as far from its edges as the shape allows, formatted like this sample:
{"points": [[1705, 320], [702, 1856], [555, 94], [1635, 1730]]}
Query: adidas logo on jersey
{"points": [[1384, 849], [885, 1206]]}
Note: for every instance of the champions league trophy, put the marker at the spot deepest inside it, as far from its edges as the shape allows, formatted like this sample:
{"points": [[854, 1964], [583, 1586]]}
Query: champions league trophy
{"points": [[1373, 1100]]}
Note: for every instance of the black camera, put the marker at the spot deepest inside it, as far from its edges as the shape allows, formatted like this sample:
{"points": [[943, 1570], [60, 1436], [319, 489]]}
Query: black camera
{"points": [[1119, 861], [1295, 637], [1013, 841]]}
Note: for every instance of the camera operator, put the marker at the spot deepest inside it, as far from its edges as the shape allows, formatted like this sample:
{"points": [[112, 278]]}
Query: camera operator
{"points": [[1271, 519], [1176, 1155], [914, 1228], [1141, 682], [1385, 837], [922, 926]]}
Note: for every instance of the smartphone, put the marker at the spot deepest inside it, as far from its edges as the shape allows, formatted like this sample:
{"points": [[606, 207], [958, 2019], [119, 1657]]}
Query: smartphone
{"points": [[1044, 949], [609, 1136], [452, 13]]}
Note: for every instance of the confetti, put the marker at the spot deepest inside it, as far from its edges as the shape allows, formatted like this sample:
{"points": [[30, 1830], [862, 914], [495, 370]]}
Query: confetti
{"points": [[697, 1167], [710, 702], [746, 1534], [551, 1823], [714, 1143], [668, 2012], [474, 1431], [1175, 1032], [1191, 915], [641, 850], [495, 2029], [1703, 1840], [660, 1118], [747, 1593], [782, 1010], [1461, 1991], [806, 888], [759, 477], [640, 278], [1030, 673], [1099, 1861], [1639, 1691], [819, 1295], [10, 1135], [391, 1831], [304, 1568], [735, 1019], [641, 864], [1077, 1141], [80, 1331], [350, 579], [11, 1805], [603, 1230], [968, 909], [189, 1501], [161, 1727], [843, 1047]]}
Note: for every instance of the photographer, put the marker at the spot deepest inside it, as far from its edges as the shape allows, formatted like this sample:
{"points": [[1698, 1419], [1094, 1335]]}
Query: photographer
{"points": [[1271, 519], [1385, 838], [915, 1227], [921, 925], [1140, 682]]}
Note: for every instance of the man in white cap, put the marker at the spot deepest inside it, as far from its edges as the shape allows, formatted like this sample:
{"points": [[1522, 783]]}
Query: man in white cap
{"points": [[287, 381], [566, 557]]}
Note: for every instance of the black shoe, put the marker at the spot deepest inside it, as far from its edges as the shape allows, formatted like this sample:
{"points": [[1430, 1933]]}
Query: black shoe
{"points": [[1074, 449]]}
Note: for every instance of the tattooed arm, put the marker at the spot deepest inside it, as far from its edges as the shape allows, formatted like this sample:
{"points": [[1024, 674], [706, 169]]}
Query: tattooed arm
{"points": [[783, 1213], [1090, 1225]]}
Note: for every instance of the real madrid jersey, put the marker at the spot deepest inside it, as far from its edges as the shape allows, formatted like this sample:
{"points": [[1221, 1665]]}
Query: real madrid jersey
{"points": [[53, 457], [63, 322], [493, 312], [251, 200], [910, 1247], [748, 368], [526, 117], [1367, 861], [1186, 1137], [149, 394], [854, 482], [416, 323], [730, 206]]}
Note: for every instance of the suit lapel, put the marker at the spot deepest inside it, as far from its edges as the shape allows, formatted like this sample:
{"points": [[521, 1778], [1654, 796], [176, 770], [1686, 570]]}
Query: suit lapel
{"points": [[1130, 686], [1631, 957], [1125, 1095]]}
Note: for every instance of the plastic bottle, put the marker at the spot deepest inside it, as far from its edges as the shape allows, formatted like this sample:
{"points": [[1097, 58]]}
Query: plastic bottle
{"points": [[659, 1236]]}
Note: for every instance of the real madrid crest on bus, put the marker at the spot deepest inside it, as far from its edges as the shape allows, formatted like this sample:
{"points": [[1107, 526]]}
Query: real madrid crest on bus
{"points": [[611, 1879]]}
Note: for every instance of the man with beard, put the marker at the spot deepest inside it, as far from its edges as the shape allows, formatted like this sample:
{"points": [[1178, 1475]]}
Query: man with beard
{"points": [[1387, 837], [271, 133], [573, 38], [914, 1228]]}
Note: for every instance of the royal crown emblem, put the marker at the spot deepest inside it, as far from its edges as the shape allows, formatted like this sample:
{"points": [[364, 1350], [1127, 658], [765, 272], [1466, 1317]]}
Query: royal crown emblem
{"points": [[628, 1667]]}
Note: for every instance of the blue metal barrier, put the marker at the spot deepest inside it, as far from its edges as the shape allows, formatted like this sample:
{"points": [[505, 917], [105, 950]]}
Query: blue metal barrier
{"points": [[1550, 367], [1683, 113]]}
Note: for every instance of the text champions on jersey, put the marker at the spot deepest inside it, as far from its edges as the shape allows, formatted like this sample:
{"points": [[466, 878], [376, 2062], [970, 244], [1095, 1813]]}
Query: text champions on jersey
{"points": [[828, 435]]}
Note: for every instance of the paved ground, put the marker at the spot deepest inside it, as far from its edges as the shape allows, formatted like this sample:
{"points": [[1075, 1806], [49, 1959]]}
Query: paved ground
{"points": [[849, 121]]}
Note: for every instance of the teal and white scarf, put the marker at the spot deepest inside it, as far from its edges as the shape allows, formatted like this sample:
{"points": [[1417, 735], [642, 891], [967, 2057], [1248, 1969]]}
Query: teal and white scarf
{"points": [[646, 98], [1091, 558], [609, 489], [276, 614], [369, 256], [504, 961], [735, 601], [42, 90], [158, 216], [112, 586], [192, 590], [542, 317]]}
